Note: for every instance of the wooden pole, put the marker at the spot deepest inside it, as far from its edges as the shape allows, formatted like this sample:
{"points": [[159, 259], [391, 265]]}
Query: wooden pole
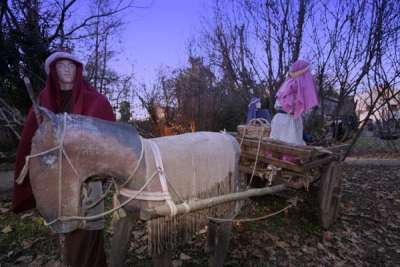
{"points": [[31, 94], [190, 206]]}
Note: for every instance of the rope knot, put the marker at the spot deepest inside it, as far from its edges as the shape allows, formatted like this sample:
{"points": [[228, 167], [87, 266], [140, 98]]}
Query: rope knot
{"points": [[160, 170]]}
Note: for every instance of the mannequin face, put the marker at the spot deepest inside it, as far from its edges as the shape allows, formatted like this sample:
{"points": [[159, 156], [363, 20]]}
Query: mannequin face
{"points": [[66, 72]]}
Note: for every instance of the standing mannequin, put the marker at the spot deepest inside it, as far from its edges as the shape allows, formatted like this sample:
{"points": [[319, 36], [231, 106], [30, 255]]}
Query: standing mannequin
{"points": [[296, 96], [66, 72], [66, 91], [254, 110]]}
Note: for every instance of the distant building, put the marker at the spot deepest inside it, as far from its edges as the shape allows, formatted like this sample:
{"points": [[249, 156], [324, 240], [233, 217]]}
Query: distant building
{"points": [[329, 105], [389, 109]]}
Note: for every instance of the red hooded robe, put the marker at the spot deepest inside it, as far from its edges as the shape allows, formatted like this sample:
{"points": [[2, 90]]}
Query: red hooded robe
{"points": [[86, 101]]}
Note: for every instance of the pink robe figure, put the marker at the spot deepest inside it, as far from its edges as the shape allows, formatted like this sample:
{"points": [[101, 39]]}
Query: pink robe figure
{"points": [[296, 96]]}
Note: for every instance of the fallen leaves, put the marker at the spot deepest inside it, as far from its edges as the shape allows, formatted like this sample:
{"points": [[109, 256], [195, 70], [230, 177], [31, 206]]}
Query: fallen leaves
{"points": [[257, 253], [7, 229], [26, 244], [177, 263], [53, 263], [327, 236], [24, 259], [184, 257], [26, 215], [282, 244], [370, 213], [4, 210]]}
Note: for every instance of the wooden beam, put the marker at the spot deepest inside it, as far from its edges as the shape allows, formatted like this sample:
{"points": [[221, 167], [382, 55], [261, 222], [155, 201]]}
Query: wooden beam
{"points": [[319, 162], [276, 147], [191, 206], [338, 148], [283, 147], [276, 162], [249, 170]]}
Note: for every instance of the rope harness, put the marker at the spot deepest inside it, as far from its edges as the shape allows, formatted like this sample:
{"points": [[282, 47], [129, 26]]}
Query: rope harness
{"points": [[273, 169], [120, 190], [272, 174], [164, 195]]}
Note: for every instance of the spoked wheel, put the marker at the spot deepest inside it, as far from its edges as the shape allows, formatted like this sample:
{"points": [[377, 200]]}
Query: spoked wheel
{"points": [[330, 193]]}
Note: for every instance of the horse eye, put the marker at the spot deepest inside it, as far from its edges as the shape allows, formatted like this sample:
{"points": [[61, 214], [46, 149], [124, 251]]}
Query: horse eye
{"points": [[49, 159]]}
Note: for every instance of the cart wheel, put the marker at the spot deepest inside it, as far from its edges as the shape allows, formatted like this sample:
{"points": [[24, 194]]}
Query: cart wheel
{"points": [[330, 193]]}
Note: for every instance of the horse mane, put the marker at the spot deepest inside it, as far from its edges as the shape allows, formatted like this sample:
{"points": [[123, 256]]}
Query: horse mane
{"points": [[123, 132]]}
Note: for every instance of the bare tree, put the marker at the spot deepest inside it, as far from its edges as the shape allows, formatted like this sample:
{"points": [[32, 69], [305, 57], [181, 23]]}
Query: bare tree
{"points": [[254, 42], [32, 29], [344, 41]]}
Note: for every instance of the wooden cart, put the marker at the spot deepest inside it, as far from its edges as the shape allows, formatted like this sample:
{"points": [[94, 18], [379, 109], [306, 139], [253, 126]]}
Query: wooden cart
{"points": [[265, 158]]}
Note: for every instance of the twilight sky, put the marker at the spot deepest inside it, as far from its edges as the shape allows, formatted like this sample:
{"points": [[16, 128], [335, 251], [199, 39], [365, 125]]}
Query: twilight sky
{"points": [[158, 35]]}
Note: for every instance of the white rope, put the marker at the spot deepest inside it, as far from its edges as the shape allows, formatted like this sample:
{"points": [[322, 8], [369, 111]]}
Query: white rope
{"points": [[172, 207], [95, 203], [69, 218], [137, 165], [62, 152], [186, 206], [241, 141], [262, 122], [163, 178], [97, 216], [273, 172], [293, 204], [150, 196], [24, 171], [255, 162], [165, 183], [60, 157], [159, 171], [70, 162]]}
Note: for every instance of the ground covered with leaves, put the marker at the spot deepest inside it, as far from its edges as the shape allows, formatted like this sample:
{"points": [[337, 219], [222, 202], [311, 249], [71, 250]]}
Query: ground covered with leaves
{"points": [[366, 234], [372, 147]]}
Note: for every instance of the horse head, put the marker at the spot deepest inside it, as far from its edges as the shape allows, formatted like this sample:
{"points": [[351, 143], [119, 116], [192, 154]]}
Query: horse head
{"points": [[67, 151]]}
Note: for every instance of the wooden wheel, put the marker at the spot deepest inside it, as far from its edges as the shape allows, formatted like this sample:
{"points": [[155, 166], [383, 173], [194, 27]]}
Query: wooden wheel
{"points": [[329, 196]]}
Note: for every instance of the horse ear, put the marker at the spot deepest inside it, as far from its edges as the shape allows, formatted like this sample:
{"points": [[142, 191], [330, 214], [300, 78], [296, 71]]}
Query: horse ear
{"points": [[46, 115]]}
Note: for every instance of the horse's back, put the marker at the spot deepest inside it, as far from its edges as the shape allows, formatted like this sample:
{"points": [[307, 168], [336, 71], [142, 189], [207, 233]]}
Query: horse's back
{"points": [[197, 162], [200, 140]]}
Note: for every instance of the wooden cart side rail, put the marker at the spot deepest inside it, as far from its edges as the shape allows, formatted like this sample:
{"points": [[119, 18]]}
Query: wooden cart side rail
{"points": [[339, 150], [273, 141], [276, 162], [262, 172], [278, 148], [248, 170], [320, 162]]}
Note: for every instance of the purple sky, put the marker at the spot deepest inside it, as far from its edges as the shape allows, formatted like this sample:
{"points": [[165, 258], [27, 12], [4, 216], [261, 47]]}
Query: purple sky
{"points": [[158, 35]]}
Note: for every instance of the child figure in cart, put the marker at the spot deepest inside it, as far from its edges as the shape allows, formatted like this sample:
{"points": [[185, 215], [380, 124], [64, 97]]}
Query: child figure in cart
{"points": [[296, 96]]}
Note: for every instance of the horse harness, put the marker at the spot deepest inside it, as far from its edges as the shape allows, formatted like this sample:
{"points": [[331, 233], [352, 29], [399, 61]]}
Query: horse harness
{"points": [[120, 189]]}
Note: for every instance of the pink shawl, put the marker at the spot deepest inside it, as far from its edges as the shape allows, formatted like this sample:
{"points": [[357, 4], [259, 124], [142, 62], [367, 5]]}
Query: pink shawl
{"points": [[298, 94]]}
